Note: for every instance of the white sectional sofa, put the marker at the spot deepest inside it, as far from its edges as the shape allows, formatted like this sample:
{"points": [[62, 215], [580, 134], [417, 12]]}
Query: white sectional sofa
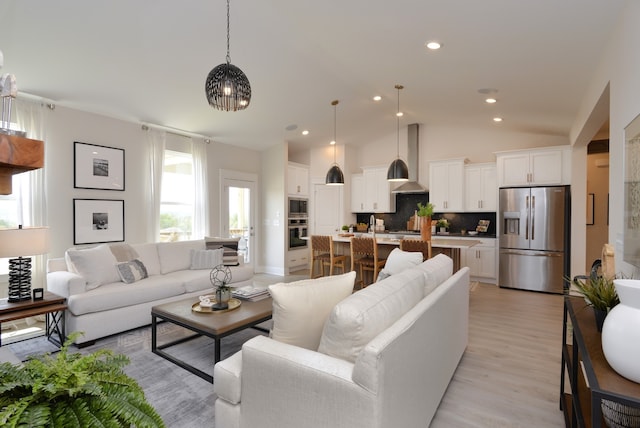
{"points": [[101, 304], [385, 357]]}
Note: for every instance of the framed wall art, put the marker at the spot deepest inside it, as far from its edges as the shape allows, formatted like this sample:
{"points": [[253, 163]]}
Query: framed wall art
{"points": [[98, 167], [97, 221]]}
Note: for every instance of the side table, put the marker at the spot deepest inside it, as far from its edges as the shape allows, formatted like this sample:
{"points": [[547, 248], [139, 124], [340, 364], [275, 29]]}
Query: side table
{"points": [[52, 306]]}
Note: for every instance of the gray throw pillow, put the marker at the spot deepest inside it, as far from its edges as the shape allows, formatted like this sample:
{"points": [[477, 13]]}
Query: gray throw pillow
{"points": [[132, 271]]}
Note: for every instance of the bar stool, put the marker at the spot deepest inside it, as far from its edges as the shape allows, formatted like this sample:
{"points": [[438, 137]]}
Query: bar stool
{"points": [[364, 254], [322, 251], [417, 245]]}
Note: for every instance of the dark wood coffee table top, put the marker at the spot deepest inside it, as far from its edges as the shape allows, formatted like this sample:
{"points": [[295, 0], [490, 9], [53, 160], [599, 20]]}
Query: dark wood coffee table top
{"points": [[214, 324]]}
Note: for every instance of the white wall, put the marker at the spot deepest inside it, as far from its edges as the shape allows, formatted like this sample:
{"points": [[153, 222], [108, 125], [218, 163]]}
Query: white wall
{"points": [[274, 215], [68, 125], [617, 70]]}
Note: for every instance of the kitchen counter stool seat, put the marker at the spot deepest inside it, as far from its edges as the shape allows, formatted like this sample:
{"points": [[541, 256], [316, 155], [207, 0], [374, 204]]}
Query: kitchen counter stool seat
{"points": [[417, 245], [322, 251], [364, 255]]}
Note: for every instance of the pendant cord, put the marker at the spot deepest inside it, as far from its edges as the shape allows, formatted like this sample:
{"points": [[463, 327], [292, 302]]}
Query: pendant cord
{"points": [[228, 54], [335, 120]]}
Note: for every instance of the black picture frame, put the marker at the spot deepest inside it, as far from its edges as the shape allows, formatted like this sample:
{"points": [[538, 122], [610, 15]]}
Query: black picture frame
{"points": [[98, 167], [591, 200], [98, 221]]}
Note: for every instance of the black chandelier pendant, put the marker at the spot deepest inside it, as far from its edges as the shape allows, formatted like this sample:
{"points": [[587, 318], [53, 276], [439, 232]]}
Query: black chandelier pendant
{"points": [[227, 87]]}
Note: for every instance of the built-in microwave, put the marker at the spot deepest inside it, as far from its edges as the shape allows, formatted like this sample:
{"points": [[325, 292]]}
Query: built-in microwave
{"points": [[298, 207]]}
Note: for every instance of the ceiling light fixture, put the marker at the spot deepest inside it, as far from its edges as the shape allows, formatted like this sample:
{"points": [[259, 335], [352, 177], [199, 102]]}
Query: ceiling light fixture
{"points": [[497, 119], [305, 132], [398, 170], [377, 98], [227, 87], [334, 175], [433, 45], [490, 101]]}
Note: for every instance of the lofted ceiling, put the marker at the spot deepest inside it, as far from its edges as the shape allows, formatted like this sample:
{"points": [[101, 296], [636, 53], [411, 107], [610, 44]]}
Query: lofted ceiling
{"points": [[147, 61]]}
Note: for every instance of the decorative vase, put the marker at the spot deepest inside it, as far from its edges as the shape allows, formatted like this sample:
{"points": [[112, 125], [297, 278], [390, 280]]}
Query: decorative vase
{"points": [[621, 331], [223, 296], [425, 228]]}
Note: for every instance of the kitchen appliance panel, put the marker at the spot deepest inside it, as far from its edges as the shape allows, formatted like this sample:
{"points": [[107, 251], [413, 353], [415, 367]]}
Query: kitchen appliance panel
{"points": [[513, 218], [547, 215], [532, 270]]}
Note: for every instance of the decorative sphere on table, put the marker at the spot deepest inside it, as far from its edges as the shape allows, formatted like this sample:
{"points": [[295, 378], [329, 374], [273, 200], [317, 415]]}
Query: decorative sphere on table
{"points": [[220, 275]]}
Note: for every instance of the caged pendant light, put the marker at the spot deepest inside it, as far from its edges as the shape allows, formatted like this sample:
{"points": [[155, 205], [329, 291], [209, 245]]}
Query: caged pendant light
{"points": [[398, 170], [334, 176], [227, 87]]}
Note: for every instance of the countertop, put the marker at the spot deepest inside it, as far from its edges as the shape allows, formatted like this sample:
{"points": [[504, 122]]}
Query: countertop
{"points": [[436, 241]]}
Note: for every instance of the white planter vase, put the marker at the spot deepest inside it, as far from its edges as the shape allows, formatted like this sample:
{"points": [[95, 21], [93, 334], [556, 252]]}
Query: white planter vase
{"points": [[621, 331]]}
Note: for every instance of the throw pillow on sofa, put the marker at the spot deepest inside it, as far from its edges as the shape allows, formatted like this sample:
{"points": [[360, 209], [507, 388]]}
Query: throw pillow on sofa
{"points": [[206, 259], [131, 271], [96, 265], [230, 247], [399, 261], [301, 308]]}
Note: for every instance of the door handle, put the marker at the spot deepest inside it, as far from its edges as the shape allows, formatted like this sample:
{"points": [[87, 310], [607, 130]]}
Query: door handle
{"points": [[533, 217], [526, 229]]}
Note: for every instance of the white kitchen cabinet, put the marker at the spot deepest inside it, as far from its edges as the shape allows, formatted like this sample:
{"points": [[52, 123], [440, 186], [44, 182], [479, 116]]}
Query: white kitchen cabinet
{"points": [[297, 259], [546, 166], [446, 185], [297, 180], [357, 193], [482, 260], [481, 187], [371, 192]]}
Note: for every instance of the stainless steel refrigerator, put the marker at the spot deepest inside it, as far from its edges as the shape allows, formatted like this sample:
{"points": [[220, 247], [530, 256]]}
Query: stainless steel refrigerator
{"points": [[534, 238]]}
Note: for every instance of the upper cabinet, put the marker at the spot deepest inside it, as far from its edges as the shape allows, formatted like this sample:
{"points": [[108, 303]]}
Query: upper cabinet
{"points": [[446, 185], [371, 191], [546, 166], [481, 187], [297, 179]]}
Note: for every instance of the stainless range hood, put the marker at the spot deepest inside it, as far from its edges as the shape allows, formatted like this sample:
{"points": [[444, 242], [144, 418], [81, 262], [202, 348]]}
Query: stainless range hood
{"points": [[413, 138]]}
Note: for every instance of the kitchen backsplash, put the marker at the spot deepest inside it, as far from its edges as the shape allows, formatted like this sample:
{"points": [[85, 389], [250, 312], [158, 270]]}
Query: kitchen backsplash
{"points": [[407, 204]]}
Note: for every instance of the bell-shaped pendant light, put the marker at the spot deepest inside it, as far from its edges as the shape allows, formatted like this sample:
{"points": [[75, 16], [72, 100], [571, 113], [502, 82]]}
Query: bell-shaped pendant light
{"points": [[335, 177], [227, 87], [398, 170]]}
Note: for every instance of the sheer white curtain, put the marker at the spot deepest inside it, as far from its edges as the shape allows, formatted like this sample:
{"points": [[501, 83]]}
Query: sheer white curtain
{"points": [[156, 141], [30, 187], [201, 190]]}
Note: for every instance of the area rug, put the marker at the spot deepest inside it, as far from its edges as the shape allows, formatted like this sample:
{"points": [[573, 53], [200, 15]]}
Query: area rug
{"points": [[182, 399]]}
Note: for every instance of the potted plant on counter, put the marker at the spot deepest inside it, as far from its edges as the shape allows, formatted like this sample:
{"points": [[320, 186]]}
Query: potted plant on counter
{"points": [[599, 293], [424, 213], [442, 225]]}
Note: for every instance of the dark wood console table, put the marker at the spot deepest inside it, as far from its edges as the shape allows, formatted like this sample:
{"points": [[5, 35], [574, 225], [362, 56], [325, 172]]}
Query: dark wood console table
{"points": [[591, 379]]}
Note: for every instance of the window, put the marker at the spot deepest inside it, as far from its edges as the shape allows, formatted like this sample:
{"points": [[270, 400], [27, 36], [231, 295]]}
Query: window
{"points": [[177, 197], [8, 220]]}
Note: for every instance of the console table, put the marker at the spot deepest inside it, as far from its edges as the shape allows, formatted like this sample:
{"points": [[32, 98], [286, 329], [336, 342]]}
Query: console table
{"points": [[591, 379], [52, 306]]}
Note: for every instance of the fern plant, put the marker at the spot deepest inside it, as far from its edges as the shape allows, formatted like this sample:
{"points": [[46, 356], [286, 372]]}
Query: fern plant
{"points": [[73, 390], [599, 291]]}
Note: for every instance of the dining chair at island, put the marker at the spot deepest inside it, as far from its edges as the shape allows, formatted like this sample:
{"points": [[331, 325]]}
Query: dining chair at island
{"points": [[364, 256], [323, 254], [417, 245]]}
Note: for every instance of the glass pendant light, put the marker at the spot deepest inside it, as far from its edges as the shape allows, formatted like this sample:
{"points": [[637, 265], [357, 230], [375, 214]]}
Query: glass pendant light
{"points": [[227, 87], [334, 176], [398, 170]]}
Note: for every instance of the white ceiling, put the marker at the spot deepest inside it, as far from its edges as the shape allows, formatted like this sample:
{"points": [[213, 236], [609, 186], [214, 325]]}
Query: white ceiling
{"points": [[147, 61]]}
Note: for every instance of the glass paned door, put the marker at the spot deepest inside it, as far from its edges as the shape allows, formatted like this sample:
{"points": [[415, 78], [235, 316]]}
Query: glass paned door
{"points": [[238, 215]]}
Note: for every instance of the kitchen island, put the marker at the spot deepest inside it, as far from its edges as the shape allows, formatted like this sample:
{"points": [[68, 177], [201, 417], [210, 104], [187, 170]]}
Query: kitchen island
{"points": [[387, 242]]}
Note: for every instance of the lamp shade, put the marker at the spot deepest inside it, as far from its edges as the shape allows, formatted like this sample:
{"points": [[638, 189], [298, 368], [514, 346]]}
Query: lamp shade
{"points": [[227, 88], [28, 241], [334, 176], [398, 171]]}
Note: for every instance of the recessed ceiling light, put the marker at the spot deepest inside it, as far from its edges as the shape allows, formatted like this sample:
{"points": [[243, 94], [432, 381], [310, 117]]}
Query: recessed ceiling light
{"points": [[377, 98], [497, 119], [491, 101], [433, 45], [333, 142], [399, 114], [305, 132]]}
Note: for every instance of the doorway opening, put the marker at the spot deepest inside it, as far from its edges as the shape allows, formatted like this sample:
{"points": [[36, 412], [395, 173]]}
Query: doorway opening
{"points": [[597, 221]]}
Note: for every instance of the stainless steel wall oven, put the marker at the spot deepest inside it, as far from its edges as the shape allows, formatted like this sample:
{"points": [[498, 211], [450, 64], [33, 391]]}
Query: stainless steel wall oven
{"points": [[297, 231]]}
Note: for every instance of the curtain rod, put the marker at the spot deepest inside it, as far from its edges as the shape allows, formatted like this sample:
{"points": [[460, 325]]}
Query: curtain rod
{"points": [[179, 132]]}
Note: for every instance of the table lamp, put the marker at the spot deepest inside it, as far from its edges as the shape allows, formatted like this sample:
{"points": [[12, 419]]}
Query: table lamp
{"points": [[21, 242]]}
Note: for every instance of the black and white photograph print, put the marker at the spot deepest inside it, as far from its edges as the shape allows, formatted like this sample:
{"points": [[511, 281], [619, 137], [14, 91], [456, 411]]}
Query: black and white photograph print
{"points": [[98, 220], [98, 167], [101, 167]]}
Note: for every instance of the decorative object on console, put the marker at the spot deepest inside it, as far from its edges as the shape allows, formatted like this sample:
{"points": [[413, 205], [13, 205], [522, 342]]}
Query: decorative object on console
{"points": [[621, 331], [227, 87], [97, 167], [599, 293], [334, 175], [97, 221], [21, 242], [38, 293], [398, 170], [220, 276]]}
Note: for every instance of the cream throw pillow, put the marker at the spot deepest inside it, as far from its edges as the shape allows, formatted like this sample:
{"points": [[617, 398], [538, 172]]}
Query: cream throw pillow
{"points": [[96, 265], [301, 308], [399, 261]]}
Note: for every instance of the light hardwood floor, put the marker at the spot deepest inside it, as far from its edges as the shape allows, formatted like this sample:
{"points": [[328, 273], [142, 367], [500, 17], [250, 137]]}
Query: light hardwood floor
{"points": [[509, 375]]}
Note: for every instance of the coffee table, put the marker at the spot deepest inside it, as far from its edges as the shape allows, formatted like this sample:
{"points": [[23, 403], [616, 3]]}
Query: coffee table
{"points": [[52, 306], [215, 325]]}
